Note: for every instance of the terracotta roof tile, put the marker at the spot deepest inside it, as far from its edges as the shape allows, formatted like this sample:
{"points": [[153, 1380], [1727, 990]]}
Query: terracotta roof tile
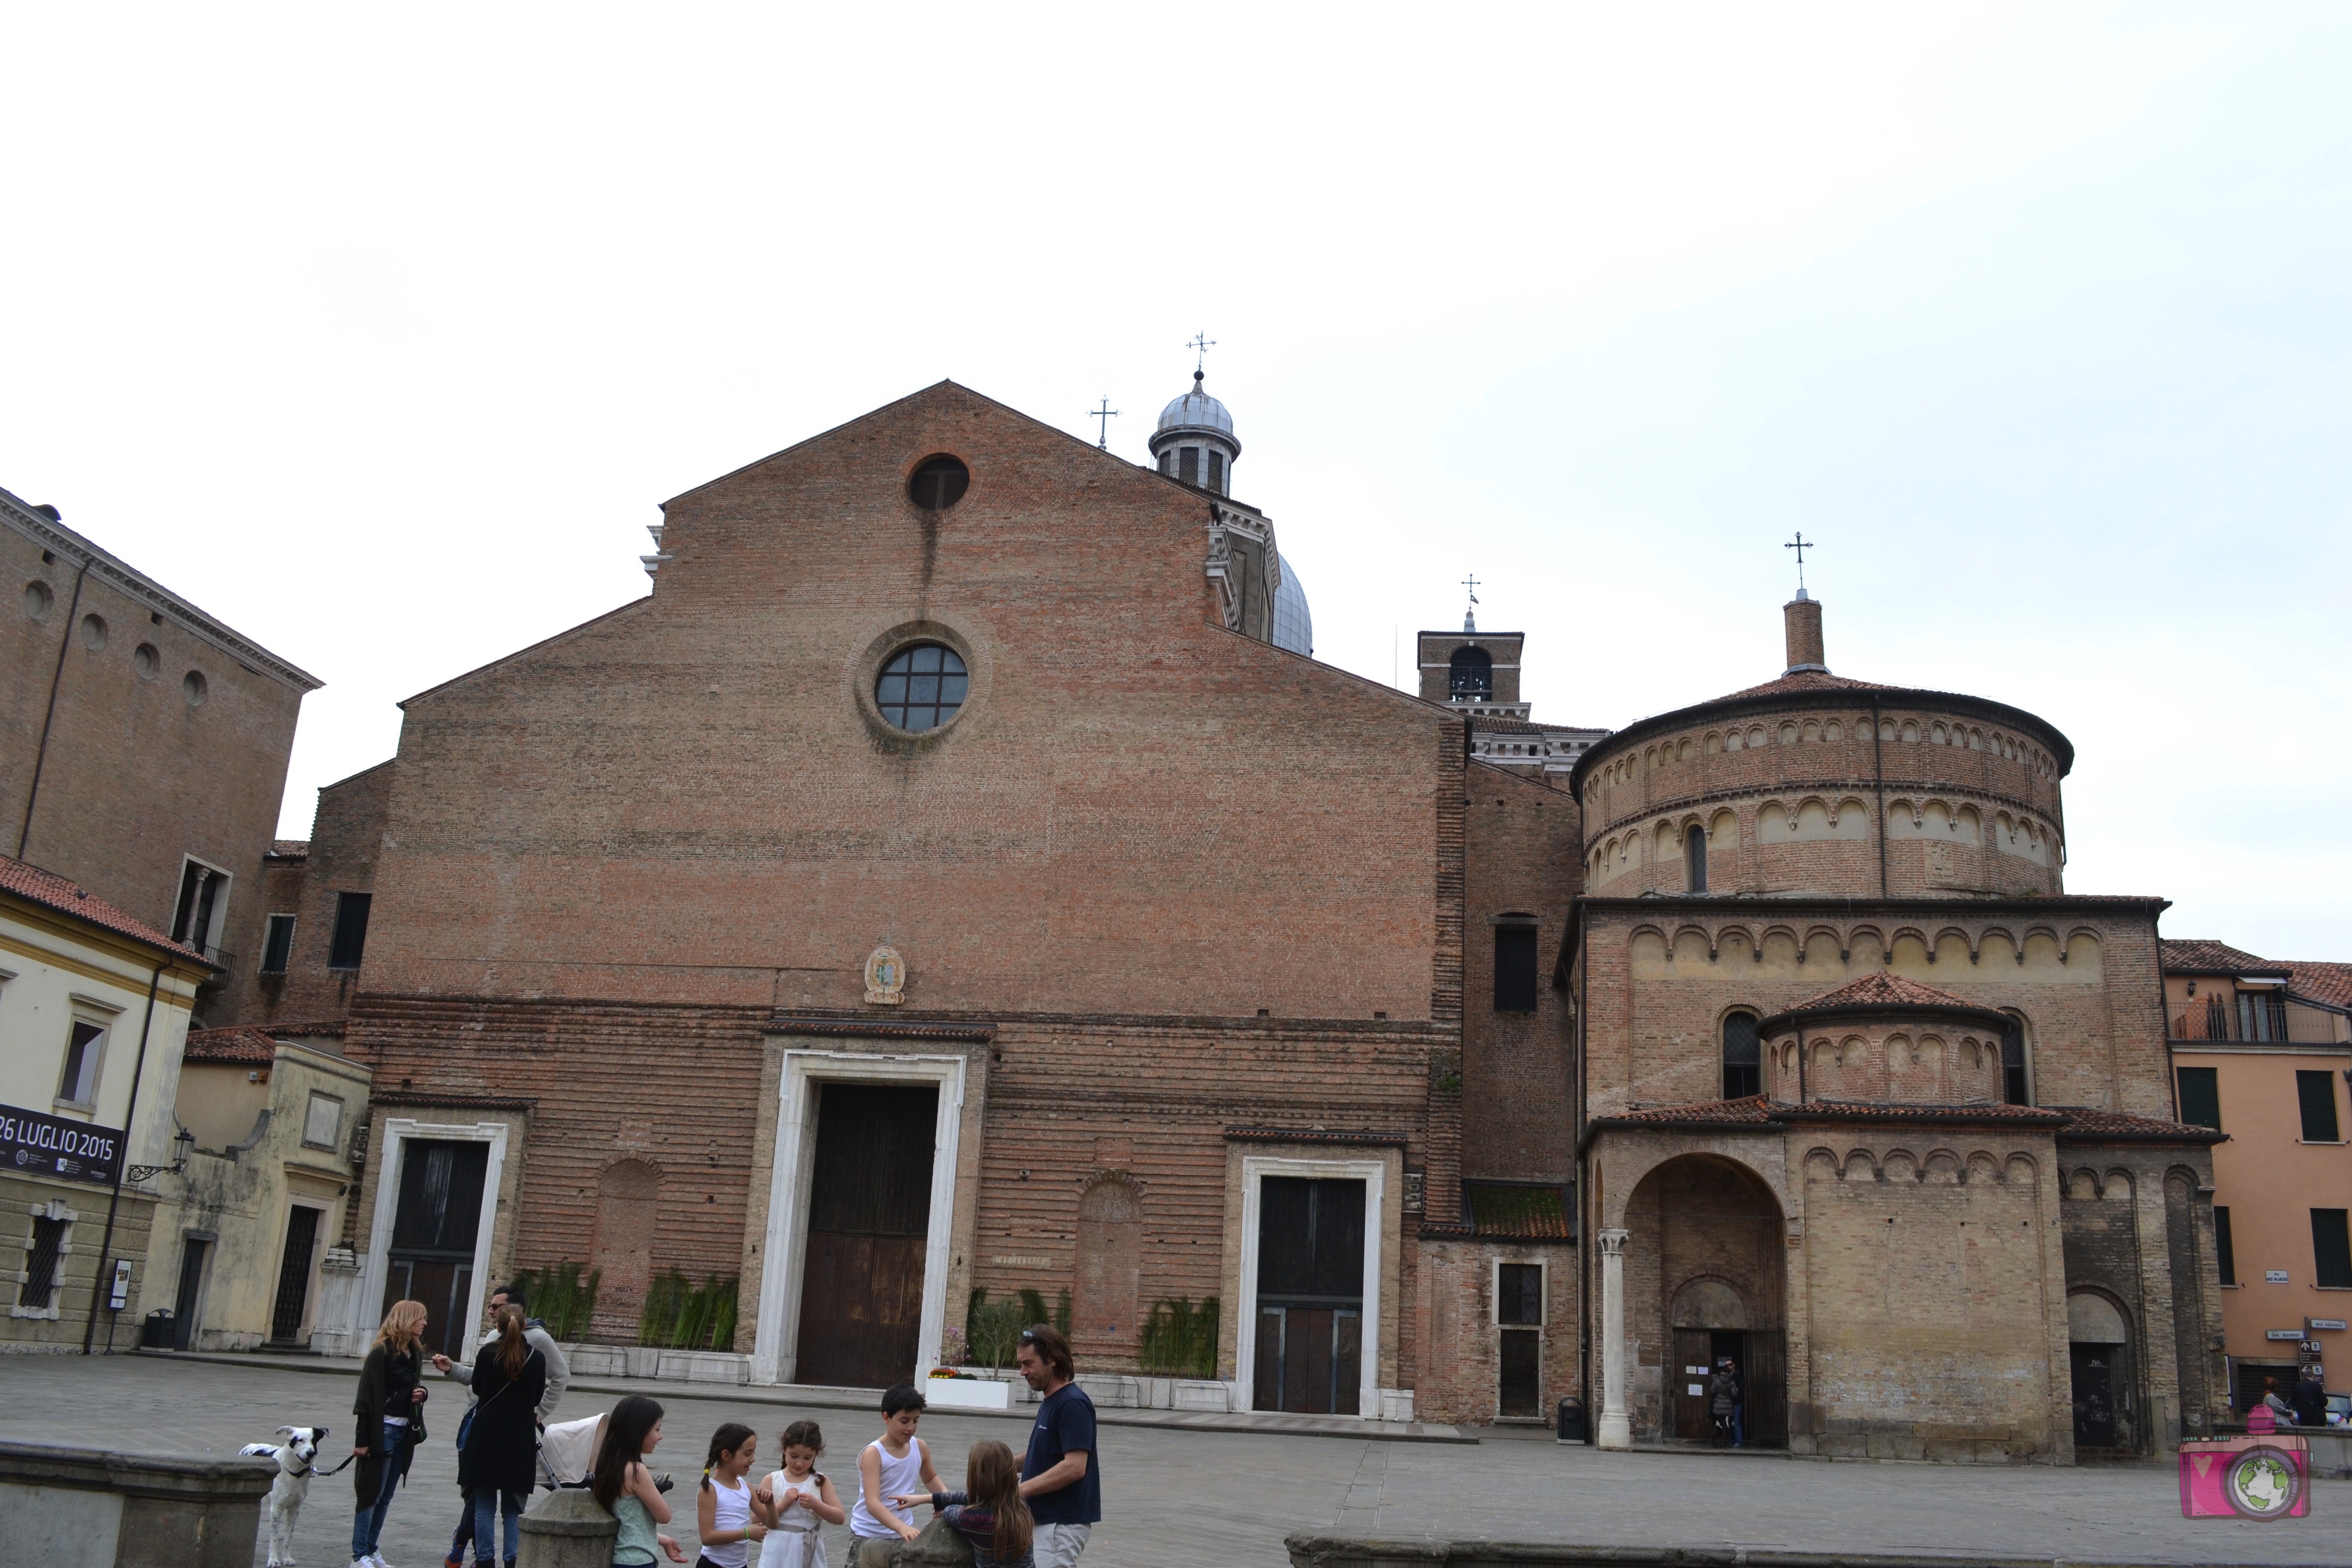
{"points": [[1860, 1110], [288, 850], [1883, 990], [2088, 1124], [53, 891], [1747, 1112], [2195, 955], [1523, 1214], [2075, 1122], [1808, 680], [326, 1028], [243, 1046], [2329, 983]]}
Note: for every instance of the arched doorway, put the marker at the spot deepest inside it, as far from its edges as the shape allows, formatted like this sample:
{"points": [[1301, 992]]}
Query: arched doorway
{"points": [[1705, 1281], [2099, 1347]]}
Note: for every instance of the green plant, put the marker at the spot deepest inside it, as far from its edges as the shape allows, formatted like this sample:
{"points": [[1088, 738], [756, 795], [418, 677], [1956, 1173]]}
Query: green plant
{"points": [[994, 1329], [1062, 1314], [679, 1316], [1179, 1340], [1032, 1307], [559, 1297]]}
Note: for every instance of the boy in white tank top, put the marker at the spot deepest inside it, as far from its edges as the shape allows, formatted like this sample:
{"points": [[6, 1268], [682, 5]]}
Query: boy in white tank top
{"points": [[890, 1466]]}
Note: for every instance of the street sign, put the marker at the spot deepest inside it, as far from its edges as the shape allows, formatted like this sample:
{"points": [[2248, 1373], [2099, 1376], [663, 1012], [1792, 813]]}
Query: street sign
{"points": [[2273, 1275], [2283, 1334], [2323, 1322]]}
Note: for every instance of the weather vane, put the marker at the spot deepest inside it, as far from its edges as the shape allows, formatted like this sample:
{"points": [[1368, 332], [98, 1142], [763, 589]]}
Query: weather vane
{"points": [[1106, 414], [1203, 343], [1801, 545], [1470, 617]]}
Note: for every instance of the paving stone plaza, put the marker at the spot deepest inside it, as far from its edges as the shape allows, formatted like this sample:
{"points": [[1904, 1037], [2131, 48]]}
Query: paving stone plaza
{"points": [[1181, 1497]]}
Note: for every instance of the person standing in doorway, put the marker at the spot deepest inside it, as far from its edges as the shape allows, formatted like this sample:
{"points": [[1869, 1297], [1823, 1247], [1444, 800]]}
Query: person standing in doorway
{"points": [[1738, 1404], [1060, 1478]]}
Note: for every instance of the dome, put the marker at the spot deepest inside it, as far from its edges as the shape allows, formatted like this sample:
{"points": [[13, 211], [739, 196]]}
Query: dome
{"points": [[1196, 410], [1293, 628]]}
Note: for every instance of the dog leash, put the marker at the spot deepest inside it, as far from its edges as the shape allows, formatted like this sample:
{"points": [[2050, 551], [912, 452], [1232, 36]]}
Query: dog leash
{"points": [[339, 1470]]}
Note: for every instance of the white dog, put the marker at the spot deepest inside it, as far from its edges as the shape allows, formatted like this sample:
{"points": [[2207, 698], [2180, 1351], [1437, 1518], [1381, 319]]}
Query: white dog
{"points": [[296, 1465]]}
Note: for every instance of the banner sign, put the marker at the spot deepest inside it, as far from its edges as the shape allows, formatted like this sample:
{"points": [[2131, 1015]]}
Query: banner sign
{"points": [[37, 1145]]}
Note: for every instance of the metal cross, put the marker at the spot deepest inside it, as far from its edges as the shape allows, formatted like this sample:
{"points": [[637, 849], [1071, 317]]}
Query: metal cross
{"points": [[1106, 414], [1800, 546], [1203, 343], [1471, 582]]}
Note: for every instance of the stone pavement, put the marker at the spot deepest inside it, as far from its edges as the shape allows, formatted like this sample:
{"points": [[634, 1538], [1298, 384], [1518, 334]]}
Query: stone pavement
{"points": [[1186, 1498]]}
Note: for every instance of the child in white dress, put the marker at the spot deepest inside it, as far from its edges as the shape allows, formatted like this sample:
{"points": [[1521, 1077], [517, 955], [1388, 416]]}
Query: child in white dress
{"points": [[795, 1500]]}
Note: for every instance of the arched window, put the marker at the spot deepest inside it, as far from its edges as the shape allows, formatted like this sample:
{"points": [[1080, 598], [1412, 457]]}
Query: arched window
{"points": [[1694, 858], [1470, 673], [2016, 1084], [921, 687], [1743, 1065]]}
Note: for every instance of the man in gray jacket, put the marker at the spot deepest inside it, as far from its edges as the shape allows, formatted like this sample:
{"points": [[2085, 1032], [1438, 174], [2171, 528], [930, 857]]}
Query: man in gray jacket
{"points": [[559, 1375]]}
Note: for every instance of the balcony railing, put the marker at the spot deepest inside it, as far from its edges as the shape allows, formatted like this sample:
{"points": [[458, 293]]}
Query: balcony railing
{"points": [[2254, 1018]]}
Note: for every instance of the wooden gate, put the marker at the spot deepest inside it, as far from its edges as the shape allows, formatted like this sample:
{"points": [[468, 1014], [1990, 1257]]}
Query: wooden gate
{"points": [[869, 1219]]}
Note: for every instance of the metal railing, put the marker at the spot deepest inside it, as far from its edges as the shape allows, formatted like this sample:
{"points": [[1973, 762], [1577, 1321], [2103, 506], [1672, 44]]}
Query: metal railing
{"points": [[2255, 1017]]}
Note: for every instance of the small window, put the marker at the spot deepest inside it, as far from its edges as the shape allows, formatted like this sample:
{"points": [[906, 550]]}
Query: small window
{"points": [[276, 944], [1167, 460], [1518, 1294], [921, 687], [2331, 1248], [938, 483], [322, 1127], [1470, 673], [350, 930], [42, 1260], [1694, 858], [85, 1045], [1514, 969], [1743, 1057], [2016, 1086], [2316, 1090], [1188, 464], [197, 914], [1216, 470], [2225, 1253], [2201, 1096]]}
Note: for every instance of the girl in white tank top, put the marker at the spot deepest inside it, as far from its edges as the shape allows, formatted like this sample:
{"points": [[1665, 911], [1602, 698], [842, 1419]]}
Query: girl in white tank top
{"points": [[794, 1529], [724, 1519]]}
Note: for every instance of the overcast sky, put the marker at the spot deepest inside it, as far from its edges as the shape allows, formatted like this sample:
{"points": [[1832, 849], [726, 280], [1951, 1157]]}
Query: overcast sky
{"points": [[381, 333]]}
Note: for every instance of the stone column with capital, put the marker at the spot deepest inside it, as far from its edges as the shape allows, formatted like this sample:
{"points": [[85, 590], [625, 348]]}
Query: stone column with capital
{"points": [[1616, 1429]]}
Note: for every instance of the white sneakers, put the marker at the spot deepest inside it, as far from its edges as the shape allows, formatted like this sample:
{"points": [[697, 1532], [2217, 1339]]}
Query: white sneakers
{"points": [[372, 1559]]}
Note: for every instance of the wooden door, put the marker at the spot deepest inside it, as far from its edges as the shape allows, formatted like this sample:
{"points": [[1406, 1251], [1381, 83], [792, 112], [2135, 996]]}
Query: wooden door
{"points": [[191, 1290], [294, 1275], [869, 1219], [1521, 1358], [1764, 1374], [1310, 1292], [433, 1227], [1691, 1370]]}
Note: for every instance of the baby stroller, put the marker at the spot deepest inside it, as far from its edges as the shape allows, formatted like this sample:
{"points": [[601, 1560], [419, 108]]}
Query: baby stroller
{"points": [[567, 1454]]}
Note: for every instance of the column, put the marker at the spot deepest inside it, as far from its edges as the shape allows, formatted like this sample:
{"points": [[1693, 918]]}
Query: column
{"points": [[1616, 1428]]}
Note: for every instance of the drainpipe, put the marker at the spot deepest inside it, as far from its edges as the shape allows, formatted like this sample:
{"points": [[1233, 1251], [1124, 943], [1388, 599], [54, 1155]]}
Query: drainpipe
{"points": [[56, 679], [1879, 769], [121, 1162]]}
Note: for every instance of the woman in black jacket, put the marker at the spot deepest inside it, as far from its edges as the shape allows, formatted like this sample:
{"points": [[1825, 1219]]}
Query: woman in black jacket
{"points": [[500, 1462], [389, 1413]]}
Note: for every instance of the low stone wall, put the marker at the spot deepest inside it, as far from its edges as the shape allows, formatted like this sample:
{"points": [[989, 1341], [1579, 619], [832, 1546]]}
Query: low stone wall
{"points": [[1346, 1552], [90, 1508]]}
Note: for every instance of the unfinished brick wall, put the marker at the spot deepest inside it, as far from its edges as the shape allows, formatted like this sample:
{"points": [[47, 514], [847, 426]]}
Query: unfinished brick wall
{"points": [[346, 832], [1518, 1068]]}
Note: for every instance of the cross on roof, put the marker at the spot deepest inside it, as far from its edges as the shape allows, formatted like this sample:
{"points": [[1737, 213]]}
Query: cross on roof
{"points": [[1799, 544], [1106, 414], [1203, 343], [1470, 618]]}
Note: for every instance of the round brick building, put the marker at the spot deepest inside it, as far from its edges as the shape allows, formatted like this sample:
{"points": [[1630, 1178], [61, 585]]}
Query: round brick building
{"points": [[1816, 784]]}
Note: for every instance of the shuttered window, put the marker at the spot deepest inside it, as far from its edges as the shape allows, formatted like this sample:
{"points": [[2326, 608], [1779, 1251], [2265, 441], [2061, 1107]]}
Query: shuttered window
{"points": [[2317, 1091], [1514, 969], [2201, 1096], [2331, 1248]]}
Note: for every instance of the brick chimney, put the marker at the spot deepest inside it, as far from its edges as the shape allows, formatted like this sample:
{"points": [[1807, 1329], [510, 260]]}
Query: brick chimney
{"points": [[1804, 620]]}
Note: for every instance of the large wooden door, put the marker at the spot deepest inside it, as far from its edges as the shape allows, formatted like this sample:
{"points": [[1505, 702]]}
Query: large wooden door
{"points": [[1310, 1296], [1693, 1368], [1764, 1383], [434, 1228], [869, 1215]]}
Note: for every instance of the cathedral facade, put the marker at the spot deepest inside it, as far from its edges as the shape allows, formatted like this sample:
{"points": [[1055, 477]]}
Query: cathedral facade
{"points": [[958, 884]]}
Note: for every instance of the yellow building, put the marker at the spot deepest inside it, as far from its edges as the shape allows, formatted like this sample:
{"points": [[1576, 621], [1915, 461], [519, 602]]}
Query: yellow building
{"points": [[245, 1231], [94, 1008], [2263, 1051]]}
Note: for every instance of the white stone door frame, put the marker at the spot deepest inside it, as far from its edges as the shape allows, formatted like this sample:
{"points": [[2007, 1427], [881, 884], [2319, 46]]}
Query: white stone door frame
{"points": [[398, 1134], [1374, 1173], [775, 1347]]}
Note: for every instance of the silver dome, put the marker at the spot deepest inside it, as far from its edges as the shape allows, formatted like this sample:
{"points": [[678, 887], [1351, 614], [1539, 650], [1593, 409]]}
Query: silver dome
{"points": [[1196, 410], [1294, 627]]}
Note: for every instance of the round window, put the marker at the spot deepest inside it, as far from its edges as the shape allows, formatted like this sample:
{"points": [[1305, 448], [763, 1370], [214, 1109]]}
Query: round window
{"points": [[939, 483], [195, 688], [922, 687]]}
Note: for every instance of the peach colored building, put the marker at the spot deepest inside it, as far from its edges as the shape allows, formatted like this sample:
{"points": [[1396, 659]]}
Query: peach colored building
{"points": [[2262, 1050]]}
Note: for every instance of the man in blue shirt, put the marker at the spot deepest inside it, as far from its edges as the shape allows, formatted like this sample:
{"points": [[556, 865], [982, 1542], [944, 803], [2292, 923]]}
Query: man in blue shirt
{"points": [[1059, 1478]]}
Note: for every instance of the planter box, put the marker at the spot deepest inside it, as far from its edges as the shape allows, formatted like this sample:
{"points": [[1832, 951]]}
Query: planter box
{"points": [[1187, 1395], [967, 1392], [705, 1366]]}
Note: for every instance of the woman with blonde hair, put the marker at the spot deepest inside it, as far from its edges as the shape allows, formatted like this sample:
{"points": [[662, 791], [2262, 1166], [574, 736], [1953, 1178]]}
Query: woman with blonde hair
{"points": [[390, 1423]]}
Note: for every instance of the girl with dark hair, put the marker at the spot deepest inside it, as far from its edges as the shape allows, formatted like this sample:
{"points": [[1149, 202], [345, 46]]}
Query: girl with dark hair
{"points": [[497, 1466], [625, 1487], [725, 1521], [797, 1500], [989, 1512]]}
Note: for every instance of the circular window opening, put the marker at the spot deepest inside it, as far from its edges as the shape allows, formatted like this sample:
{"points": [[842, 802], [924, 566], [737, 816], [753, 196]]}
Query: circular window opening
{"points": [[38, 599], [145, 660], [922, 687], [93, 632], [196, 686], [939, 483]]}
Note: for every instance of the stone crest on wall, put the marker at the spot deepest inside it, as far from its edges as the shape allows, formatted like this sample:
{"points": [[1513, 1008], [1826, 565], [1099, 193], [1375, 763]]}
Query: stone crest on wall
{"points": [[885, 977]]}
